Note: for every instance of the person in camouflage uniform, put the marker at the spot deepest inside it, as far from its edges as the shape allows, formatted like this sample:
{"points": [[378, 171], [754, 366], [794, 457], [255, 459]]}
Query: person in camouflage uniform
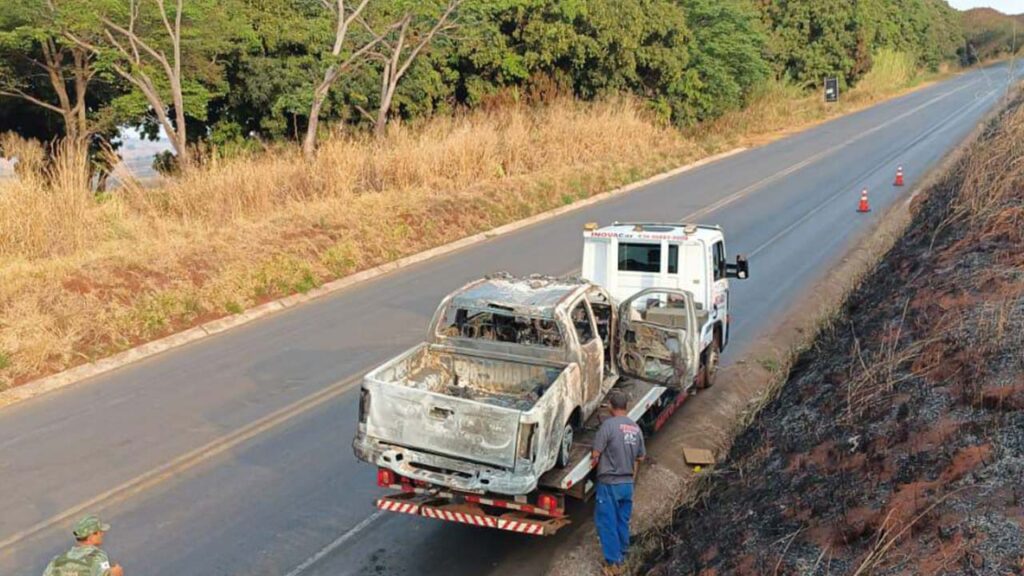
{"points": [[85, 558]]}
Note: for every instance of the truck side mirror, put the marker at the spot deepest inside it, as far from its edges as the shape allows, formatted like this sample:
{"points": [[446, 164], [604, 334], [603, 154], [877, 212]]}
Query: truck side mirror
{"points": [[741, 269]]}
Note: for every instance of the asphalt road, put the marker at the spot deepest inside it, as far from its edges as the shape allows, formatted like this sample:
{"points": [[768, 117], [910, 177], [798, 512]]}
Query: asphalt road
{"points": [[231, 455]]}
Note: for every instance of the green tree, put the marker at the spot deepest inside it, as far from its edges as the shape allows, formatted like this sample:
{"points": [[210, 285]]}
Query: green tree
{"points": [[169, 54], [40, 67], [270, 77], [350, 27], [727, 53], [418, 23], [589, 47], [811, 39]]}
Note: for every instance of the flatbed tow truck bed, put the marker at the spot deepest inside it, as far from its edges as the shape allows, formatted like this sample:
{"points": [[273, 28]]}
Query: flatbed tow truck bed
{"points": [[542, 512]]}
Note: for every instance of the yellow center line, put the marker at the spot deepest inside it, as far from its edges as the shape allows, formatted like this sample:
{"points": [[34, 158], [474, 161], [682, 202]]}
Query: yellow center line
{"points": [[185, 462]]}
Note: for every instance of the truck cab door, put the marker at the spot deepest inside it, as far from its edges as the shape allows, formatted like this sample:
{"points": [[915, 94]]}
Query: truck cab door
{"points": [[719, 308], [659, 340], [591, 352]]}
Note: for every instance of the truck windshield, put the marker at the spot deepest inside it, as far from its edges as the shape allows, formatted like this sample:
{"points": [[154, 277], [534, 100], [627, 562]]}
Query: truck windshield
{"points": [[500, 326]]}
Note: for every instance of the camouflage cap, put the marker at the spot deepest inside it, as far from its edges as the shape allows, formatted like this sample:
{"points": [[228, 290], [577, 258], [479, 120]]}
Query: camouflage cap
{"points": [[88, 526]]}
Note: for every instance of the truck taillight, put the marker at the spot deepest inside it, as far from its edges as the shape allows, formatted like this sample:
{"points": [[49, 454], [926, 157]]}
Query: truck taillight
{"points": [[385, 477], [547, 502]]}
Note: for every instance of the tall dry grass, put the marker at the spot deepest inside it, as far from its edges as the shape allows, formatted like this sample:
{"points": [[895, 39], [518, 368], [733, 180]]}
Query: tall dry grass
{"points": [[48, 209], [994, 180], [888, 68], [83, 276], [781, 107]]}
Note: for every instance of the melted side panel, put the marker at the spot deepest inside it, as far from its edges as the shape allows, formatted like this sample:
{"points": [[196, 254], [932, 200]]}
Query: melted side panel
{"points": [[656, 355]]}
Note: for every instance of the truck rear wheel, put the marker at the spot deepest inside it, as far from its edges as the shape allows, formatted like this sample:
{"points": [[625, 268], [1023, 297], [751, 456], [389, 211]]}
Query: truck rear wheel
{"points": [[565, 446], [711, 359]]}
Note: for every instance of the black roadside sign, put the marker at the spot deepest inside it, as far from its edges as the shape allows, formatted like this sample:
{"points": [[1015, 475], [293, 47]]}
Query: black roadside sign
{"points": [[831, 89]]}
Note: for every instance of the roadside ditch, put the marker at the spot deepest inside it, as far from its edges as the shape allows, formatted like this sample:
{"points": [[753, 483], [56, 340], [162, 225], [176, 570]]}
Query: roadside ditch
{"points": [[680, 516], [895, 445]]}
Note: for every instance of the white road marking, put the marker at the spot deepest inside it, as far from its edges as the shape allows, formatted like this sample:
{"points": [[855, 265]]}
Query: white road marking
{"points": [[803, 164], [334, 545], [185, 462], [828, 201], [820, 155]]}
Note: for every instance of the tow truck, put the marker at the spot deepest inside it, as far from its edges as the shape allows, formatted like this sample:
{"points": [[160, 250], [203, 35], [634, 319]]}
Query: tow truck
{"points": [[490, 421]]}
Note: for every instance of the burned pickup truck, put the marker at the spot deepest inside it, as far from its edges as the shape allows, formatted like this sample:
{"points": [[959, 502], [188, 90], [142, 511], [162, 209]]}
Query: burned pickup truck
{"points": [[490, 420]]}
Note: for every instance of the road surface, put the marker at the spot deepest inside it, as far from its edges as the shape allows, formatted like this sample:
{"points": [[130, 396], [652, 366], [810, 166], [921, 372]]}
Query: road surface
{"points": [[232, 455]]}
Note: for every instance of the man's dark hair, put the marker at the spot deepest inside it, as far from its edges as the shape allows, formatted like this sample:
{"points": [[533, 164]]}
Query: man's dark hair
{"points": [[618, 400]]}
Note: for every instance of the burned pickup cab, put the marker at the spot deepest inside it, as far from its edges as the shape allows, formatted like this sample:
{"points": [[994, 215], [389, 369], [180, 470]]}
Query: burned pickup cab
{"points": [[510, 373]]}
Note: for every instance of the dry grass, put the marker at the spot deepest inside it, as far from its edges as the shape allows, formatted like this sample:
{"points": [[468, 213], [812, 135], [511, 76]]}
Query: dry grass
{"points": [[83, 277], [782, 108]]}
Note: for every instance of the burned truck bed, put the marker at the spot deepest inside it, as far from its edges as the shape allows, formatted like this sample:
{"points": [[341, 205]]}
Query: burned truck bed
{"points": [[463, 419], [503, 383], [483, 404]]}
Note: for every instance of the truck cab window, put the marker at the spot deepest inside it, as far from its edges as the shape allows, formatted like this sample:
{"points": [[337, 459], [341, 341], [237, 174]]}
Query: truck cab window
{"points": [[500, 327], [639, 257], [718, 253], [581, 320], [673, 258]]}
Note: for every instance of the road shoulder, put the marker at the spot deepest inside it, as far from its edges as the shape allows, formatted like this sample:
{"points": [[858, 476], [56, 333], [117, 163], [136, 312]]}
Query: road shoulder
{"points": [[713, 418]]}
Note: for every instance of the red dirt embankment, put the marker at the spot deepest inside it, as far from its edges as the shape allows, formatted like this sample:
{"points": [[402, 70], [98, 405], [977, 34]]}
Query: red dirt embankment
{"points": [[897, 444]]}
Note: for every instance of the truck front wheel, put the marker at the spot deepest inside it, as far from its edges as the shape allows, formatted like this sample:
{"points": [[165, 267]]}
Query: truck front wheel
{"points": [[711, 359], [565, 446]]}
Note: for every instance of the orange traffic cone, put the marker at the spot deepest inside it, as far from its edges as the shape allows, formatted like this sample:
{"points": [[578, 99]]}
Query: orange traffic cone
{"points": [[899, 177], [864, 206]]}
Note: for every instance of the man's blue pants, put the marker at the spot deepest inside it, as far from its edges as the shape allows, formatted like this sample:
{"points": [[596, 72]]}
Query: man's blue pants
{"points": [[614, 506]]}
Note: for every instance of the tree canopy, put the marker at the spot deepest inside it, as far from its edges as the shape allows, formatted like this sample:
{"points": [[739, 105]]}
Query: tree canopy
{"points": [[234, 72]]}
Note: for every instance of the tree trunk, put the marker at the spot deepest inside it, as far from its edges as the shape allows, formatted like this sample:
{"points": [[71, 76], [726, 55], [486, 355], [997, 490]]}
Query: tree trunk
{"points": [[184, 154], [180, 128], [395, 68], [324, 87], [81, 85], [387, 95], [309, 142]]}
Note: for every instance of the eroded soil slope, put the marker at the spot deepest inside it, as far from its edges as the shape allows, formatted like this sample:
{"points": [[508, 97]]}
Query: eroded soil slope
{"points": [[897, 444]]}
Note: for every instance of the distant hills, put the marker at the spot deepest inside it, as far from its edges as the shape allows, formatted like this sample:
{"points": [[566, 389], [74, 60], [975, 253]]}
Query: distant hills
{"points": [[990, 33]]}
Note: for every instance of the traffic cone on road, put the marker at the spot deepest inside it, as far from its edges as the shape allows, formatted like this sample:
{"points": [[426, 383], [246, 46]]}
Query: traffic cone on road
{"points": [[899, 177], [863, 206]]}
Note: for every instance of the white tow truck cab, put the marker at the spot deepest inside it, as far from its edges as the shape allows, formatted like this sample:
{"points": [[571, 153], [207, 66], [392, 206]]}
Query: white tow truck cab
{"points": [[627, 257]]}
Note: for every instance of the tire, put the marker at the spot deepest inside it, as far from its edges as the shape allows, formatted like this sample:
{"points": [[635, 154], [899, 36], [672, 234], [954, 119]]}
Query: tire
{"points": [[565, 447], [711, 359]]}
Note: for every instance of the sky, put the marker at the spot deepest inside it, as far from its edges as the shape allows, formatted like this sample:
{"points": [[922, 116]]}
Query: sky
{"points": [[1004, 6], [137, 153]]}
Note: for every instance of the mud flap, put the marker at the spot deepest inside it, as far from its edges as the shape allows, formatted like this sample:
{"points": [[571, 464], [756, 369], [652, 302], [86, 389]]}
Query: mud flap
{"points": [[430, 506]]}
